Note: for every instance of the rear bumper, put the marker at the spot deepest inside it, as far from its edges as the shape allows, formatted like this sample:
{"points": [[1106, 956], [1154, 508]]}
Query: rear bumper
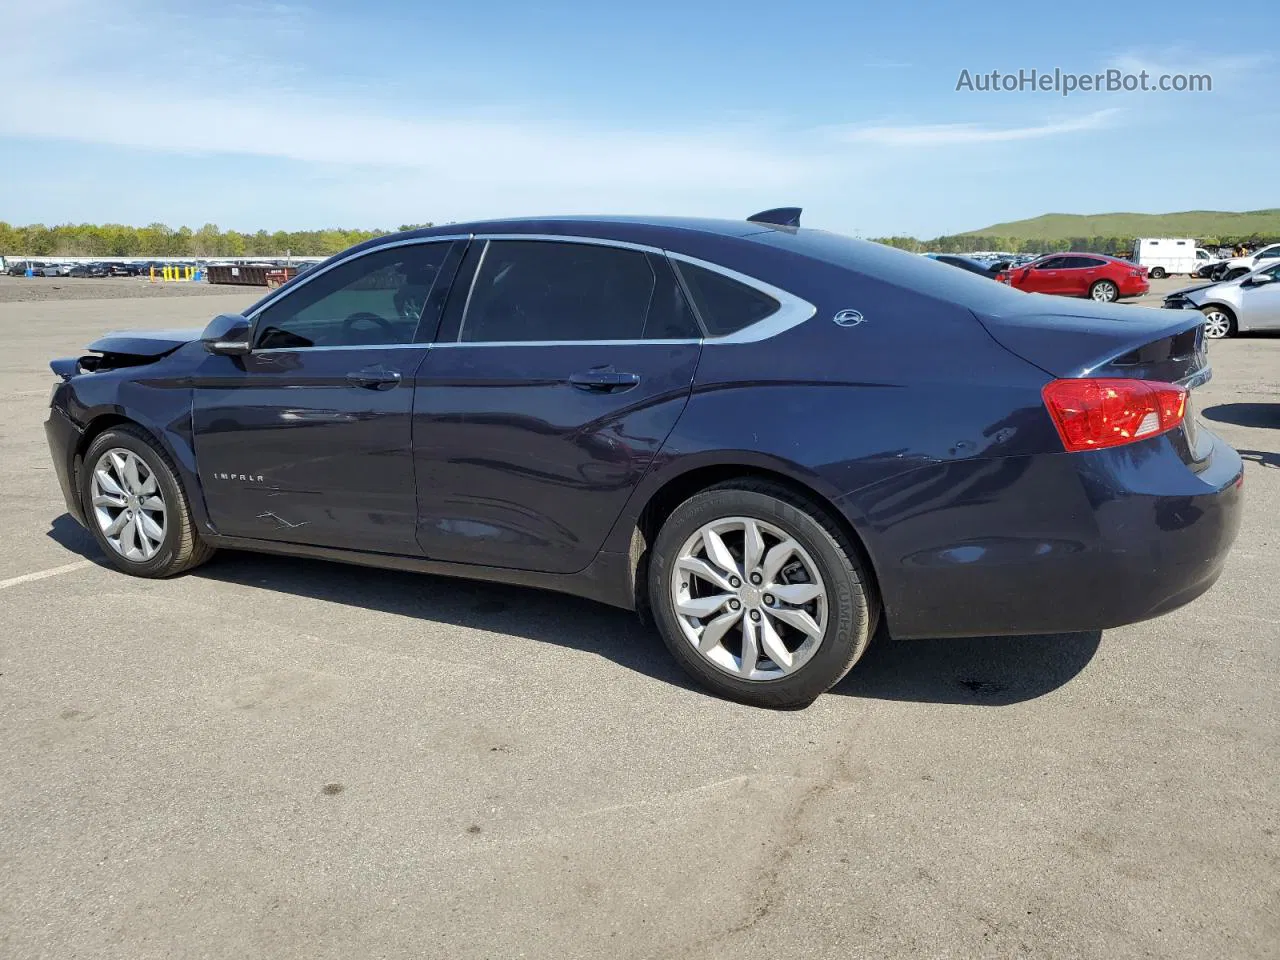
{"points": [[1134, 287], [1060, 543], [64, 440]]}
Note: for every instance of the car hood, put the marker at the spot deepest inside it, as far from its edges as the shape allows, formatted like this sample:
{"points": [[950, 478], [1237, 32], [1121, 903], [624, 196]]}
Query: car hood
{"points": [[144, 343], [1185, 290]]}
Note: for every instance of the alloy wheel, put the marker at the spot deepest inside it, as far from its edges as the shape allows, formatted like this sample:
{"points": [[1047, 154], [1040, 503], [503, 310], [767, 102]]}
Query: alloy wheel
{"points": [[128, 504], [749, 598], [1104, 292], [1217, 325]]}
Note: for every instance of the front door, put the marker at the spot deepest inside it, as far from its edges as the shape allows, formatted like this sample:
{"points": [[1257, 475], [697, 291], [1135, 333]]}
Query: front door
{"points": [[546, 400], [1260, 302], [307, 438], [1044, 276]]}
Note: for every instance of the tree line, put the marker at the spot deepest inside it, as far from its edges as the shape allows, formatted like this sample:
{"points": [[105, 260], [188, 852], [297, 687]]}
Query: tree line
{"points": [[1112, 246], [160, 240]]}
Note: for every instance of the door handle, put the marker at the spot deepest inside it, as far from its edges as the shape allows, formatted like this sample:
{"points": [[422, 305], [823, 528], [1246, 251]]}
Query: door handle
{"points": [[374, 378], [604, 381]]}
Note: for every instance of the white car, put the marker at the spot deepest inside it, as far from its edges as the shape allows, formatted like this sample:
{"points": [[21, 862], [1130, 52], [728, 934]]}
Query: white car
{"points": [[1249, 302], [1239, 266]]}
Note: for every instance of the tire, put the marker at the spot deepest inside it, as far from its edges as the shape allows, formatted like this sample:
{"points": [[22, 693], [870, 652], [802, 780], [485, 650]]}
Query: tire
{"points": [[1104, 291], [1219, 322], [840, 621], [179, 548], [1158, 273]]}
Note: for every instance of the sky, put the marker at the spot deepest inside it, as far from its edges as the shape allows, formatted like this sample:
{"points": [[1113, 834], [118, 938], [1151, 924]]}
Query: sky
{"points": [[373, 114]]}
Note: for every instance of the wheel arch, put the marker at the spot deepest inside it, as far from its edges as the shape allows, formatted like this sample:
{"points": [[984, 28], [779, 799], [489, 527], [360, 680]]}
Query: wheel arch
{"points": [[675, 490], [104, 420]]}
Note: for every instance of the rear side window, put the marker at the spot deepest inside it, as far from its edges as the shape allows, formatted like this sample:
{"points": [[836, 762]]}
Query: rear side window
{"points": [[1089, 262], [725, 305], [542, 290]]}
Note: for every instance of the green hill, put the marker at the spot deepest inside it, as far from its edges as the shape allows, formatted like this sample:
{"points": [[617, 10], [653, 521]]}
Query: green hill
{"points": [[1191, 223]]}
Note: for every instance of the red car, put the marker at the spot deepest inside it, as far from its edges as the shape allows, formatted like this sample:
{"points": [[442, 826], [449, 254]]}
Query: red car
{"points": [[1092, 275]]}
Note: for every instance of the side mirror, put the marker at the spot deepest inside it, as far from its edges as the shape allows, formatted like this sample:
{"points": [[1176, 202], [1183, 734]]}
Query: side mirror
{"points": [[227, 335], [1259, 280]]}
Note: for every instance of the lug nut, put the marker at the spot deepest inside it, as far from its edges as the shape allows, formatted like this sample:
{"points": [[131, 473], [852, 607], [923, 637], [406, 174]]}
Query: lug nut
{"points": [[735, 582], [756, 578], [755, 615], [768, 600], [735, 605]]}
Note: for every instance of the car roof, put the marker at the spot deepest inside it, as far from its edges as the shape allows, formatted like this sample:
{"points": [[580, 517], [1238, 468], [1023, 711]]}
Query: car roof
{"points": [[636, 229]]}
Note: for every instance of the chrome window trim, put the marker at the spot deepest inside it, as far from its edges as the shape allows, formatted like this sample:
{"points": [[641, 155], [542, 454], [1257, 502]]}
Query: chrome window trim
{"points": [[264, 351], [454, 344], [275, 298], [792, 310]]}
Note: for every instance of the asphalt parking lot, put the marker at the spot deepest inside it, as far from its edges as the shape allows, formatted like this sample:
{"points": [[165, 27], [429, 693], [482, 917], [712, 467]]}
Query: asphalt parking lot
{"points": [[284, 758]]}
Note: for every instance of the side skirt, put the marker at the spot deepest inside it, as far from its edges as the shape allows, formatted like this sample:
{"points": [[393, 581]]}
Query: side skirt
{"points": [[607, 579]]}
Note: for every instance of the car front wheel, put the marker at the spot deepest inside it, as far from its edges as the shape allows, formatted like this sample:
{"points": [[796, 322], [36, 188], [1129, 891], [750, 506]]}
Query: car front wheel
{"points": [[1218, 323], [136, 508], [1104, 291], [759, 594]]}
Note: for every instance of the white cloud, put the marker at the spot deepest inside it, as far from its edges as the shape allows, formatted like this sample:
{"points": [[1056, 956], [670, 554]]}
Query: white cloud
{"points": [[1170, 61], [952, 134]]}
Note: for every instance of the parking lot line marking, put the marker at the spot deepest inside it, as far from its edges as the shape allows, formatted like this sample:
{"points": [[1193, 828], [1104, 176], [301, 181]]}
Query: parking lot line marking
{"points": [[45, 574]]}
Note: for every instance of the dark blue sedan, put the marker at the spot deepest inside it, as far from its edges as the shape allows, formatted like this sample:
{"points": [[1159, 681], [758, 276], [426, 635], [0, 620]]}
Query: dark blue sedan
{"points": [[768, 439]]}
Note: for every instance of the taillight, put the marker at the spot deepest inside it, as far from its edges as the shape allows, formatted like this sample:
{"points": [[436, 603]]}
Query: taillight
{"points": [[1137, 273], [1094, 413], [1002, 277]]}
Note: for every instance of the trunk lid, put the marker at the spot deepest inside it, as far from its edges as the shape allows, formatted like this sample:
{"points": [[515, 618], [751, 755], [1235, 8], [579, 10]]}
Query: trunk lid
{"points": [[1070, 340], [1087, 339]]}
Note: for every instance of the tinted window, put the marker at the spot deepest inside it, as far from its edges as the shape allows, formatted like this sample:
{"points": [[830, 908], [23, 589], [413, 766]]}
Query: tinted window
{"points": [[1050, 263], [546, 290], [724, 304], [374, 299], [1087, 262], [1268, 253]]}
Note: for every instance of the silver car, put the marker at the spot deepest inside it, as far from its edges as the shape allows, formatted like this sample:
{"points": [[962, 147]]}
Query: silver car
{"points": [[1250, 302]]}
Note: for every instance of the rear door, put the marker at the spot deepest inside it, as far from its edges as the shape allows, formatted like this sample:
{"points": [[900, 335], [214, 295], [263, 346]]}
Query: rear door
{"points": [[307, 439], [1077, 274], [561, 367]]}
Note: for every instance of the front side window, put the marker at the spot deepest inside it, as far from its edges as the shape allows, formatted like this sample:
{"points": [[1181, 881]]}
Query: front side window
{"points": [[371, 300], [544, 290], [1050, 263]]}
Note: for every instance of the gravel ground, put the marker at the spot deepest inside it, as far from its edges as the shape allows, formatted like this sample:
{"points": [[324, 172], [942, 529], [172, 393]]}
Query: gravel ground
{"points": [[281, 758], [37, 289]]}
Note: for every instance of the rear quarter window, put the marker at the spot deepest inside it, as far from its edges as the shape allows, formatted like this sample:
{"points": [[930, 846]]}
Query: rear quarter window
{"points": [[725, 305]]}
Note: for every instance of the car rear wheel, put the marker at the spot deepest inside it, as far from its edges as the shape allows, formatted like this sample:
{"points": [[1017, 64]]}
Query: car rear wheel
{"points": [[1104, 291], [136, 507], [1158, 273], [1218, 322], [759, 595]]}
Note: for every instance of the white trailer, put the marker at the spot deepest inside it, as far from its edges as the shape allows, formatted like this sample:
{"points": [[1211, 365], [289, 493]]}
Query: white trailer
{"points": [[1165, 255]]}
